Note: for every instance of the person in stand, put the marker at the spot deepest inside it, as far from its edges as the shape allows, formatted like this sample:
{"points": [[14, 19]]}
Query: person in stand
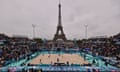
{"points": [[106, 63], [84, 56], [88, 70], [93, 70], [93, 61]]}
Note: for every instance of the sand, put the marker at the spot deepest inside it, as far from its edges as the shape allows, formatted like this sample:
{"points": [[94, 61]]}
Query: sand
{"points": [[63, 58]]}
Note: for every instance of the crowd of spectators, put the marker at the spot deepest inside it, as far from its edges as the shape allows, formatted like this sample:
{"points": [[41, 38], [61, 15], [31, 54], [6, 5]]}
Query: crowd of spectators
{"points": [[14, 48], [108, 47]]}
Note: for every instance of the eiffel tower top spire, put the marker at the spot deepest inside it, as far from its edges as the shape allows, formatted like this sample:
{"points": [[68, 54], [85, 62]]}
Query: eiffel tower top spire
{"points": [[59, 1], [59, 17]]}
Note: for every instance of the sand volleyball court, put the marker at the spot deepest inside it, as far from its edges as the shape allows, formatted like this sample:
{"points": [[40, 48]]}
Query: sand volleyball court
{"points": [[62, 58]]}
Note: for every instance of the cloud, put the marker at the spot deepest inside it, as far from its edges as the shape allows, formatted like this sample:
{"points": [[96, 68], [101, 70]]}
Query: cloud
{"points": [[102, 17]]}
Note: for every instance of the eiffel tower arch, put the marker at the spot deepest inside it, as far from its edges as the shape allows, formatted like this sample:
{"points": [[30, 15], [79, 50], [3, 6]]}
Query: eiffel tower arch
{"points": [[59, 33]]}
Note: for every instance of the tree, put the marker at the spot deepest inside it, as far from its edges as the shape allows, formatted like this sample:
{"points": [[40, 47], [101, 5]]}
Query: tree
{"points": [[38, 40]]}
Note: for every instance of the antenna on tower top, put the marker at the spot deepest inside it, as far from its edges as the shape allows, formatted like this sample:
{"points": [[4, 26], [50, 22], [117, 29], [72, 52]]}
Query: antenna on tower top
{"points": [[59, 1]]}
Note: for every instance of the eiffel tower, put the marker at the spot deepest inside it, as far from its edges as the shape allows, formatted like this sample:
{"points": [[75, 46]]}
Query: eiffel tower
{"points": [[59, 33]]}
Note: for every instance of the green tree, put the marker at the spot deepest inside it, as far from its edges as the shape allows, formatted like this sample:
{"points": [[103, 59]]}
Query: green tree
{"points": [[38, 40]]}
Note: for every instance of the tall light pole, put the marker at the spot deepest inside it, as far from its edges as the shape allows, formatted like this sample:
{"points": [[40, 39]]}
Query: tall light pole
{"points": [[86, 26], [33, 25]]}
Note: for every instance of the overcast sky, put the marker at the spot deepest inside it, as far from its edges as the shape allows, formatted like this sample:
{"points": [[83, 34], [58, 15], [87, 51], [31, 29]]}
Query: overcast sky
{"points": [[102, 17]]}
